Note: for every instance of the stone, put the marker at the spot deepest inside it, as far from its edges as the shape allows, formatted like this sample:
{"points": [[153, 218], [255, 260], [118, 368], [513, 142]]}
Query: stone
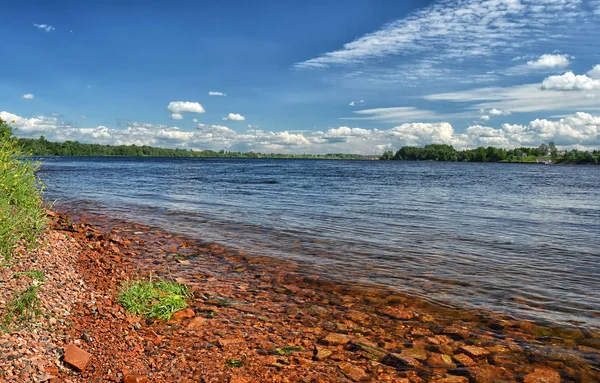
{"points": [[542, 375], [335, 339], [77, 358], [474, 351], [416, 353], [440, 361], [135, 378], [464, 360], [453, 379], [397, 313], [322, 353], [483, 374], [400, 361], [197, 322], [352, 372], [183, 314]]}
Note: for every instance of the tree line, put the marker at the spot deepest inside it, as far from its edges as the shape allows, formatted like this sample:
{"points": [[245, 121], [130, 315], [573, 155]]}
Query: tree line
{"points": [[43, 147], [438, 152]]}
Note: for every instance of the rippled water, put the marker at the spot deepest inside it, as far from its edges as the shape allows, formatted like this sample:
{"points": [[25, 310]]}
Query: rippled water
{"points": [[521, 240]]}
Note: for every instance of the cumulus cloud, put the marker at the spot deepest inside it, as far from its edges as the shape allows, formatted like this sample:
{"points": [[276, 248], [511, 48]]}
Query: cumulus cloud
{"points": [[497, 112], [178, 107], [570, 81], [28, 96], [549, 61], [579, 130], [213, 93], [485, 118], [353, 103], [594, 72], [450, 29], [234, 117], [45, 27]]}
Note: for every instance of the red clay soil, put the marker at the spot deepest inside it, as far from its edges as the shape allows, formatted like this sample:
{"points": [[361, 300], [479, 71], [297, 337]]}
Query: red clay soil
{"points": [[251, 323]]}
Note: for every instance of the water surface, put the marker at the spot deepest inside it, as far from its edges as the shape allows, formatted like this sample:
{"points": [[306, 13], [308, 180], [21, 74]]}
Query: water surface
{"points": [[520, 240]]}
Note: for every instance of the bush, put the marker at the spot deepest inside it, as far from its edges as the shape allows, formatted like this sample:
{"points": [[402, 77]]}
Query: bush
{"points": [[22, 216]]}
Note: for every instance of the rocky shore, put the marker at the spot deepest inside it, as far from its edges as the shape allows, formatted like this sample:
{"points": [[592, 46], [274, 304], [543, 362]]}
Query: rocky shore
{"points": [[254, 321]]}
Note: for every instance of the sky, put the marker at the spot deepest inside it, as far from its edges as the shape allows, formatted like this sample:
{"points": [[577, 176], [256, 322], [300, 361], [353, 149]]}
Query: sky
{"points": [[352, 76]]}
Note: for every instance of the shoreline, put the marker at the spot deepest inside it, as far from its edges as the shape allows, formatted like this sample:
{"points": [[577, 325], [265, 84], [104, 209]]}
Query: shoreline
{"points": [[245, 310]]}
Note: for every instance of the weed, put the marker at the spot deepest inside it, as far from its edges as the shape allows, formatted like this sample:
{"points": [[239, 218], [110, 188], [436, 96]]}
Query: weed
{"points": [[235, 363], [287, 351], [22, 309], [153, 298], [36, 274]]}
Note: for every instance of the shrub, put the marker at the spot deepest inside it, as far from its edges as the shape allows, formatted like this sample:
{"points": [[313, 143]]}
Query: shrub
{"points": [[22, 216]]}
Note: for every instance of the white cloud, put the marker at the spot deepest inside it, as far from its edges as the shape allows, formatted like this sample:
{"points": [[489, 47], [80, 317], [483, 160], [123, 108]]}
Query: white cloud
{"points": [[83, 117], [213, 93], [234, 117], [549, 61], [485, 118], [352, 103], [177, 116], [458, 29], [178, 107], [28, 96], [580, 130], [393, 114], [594, 72], [570, 81], [195, 120], [45, 27], [497, 112]]}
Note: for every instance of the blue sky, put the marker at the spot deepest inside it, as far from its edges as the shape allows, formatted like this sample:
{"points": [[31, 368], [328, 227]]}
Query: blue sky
{"points": [[280, 76]]}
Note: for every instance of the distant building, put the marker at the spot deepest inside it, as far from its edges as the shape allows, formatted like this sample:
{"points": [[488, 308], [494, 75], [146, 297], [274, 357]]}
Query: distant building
{"points": [[543, 161]]}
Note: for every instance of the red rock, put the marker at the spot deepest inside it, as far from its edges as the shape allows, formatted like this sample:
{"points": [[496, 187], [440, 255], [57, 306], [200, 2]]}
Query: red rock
{"points": [[474, 351], [77, 358], [464, 360], [453, 379], [440, 361], [135, 378], [542, 375], [197, 322], [52, 370], [183, 314], [352, 372], [399, 361], [483, 374], [322, 353], [335, 339], [397, 313]]}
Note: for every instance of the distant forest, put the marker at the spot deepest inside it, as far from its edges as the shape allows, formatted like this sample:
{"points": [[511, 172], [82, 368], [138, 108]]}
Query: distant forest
{"points": [[42, 147], [544, 153]]}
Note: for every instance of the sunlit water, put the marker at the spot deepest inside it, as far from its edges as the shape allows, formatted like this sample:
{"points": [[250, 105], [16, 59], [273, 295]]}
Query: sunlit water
{"points": [[520, 240]]}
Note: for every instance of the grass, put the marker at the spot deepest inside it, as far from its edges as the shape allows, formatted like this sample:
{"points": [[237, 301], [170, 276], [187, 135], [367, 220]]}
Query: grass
{"points": [[35, 274], [24, 307], [155, 299], [234, 363], [286, 351], [22, 216]]}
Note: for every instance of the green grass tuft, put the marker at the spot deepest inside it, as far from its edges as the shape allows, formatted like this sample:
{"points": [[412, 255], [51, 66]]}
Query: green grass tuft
{"points": [[154, 298], [22, 216], [24, 307], [35, 274]]}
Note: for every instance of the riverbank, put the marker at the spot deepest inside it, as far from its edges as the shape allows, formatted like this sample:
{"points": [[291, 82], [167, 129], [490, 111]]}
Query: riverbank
{"points": [[255, 321]]}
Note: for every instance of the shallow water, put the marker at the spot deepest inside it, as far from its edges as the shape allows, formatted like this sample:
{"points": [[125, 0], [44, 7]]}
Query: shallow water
{"points": [[519, 240]]}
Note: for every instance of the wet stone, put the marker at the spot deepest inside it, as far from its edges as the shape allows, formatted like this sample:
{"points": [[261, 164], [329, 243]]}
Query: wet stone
{"points": [[542, 375], [474, 351], [464, 360], [135, 378]]}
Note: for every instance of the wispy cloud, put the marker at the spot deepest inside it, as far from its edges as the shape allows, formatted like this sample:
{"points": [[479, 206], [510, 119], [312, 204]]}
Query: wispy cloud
{"points": [[28, 96], [45, 27], [213, 93], [457, 29], [394, 114]]}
